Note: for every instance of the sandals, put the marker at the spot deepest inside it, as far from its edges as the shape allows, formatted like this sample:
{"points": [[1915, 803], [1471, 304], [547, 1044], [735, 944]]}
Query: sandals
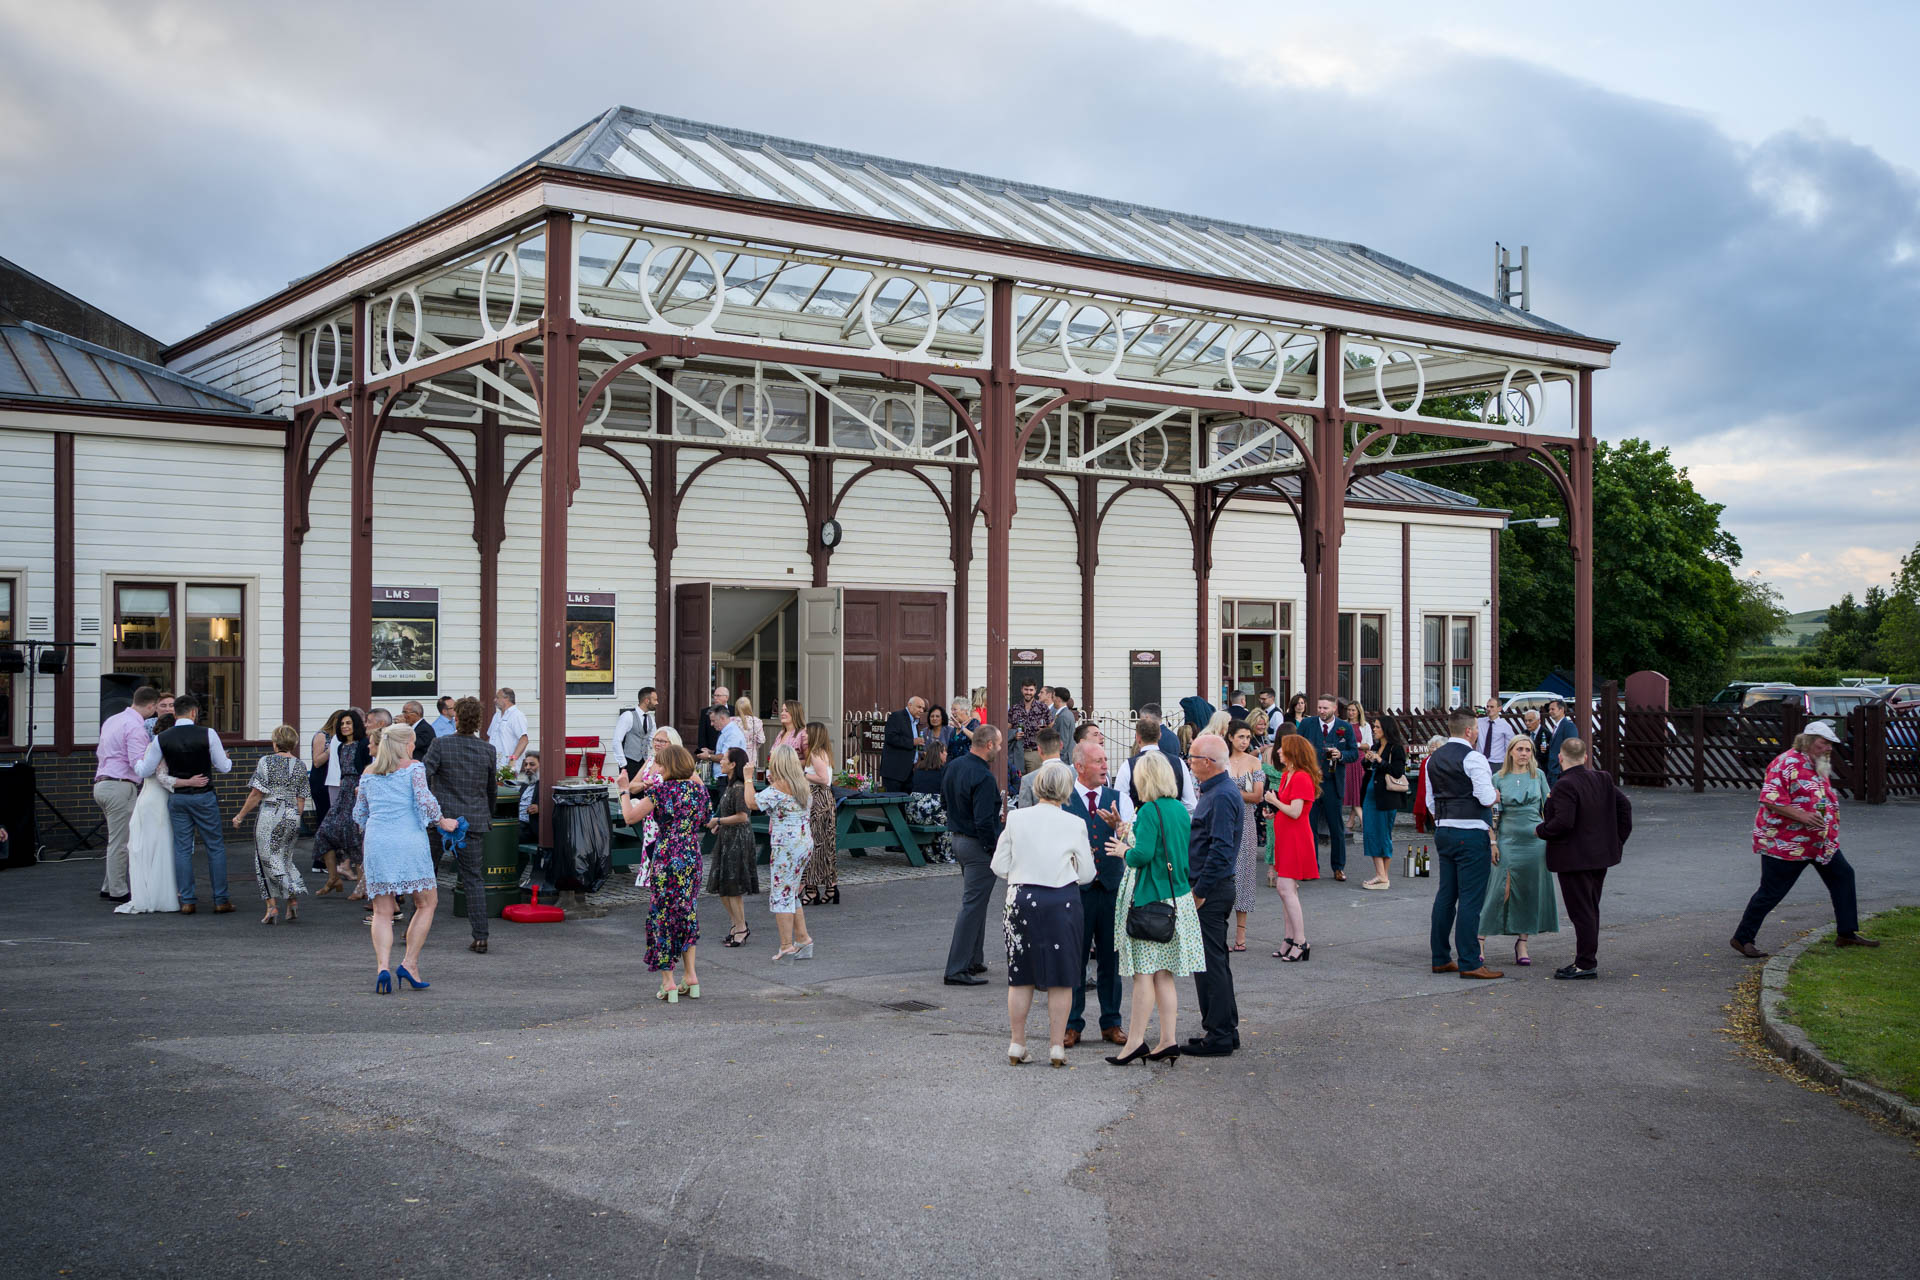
{"points": [[1238, 946], [272, 916]]}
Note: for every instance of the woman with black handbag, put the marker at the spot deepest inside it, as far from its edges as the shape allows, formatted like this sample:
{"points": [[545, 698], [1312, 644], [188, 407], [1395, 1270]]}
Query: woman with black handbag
{"points": [[1157, 929], [1385, 792]]}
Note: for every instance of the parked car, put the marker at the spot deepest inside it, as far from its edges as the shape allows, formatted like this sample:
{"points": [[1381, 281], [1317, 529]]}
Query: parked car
{"points": [[1733, 693], [1899, 694], [1518, 704], [1819, 702]]}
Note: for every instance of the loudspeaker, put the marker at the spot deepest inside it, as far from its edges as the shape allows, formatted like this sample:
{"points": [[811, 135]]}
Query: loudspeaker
{"points": [[116, 693], [16, 814]]}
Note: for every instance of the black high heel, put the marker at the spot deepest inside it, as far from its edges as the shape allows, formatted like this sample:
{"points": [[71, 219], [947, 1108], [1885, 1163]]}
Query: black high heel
{"points": [[1167, 1054], [1300, 953], [1281, 954], [1126, 1059]]}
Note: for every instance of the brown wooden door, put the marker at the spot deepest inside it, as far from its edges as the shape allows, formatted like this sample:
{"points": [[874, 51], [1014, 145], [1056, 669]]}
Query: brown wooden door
{"points": [[692, 658], [896, 647]]}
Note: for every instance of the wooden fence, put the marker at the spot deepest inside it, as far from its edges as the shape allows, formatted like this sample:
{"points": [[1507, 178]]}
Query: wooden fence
{"points": [[1702, 748]]}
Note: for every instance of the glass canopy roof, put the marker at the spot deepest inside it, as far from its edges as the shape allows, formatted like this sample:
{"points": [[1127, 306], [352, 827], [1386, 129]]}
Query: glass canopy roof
{"points": [[686, 153]]}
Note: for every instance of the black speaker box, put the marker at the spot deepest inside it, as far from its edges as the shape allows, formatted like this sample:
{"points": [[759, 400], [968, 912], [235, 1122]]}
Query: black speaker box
{"points": [[116, 693], [16, 813]]}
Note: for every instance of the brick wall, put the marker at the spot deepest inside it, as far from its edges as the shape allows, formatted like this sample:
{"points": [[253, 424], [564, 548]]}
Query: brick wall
{"points": [[67, 781]]}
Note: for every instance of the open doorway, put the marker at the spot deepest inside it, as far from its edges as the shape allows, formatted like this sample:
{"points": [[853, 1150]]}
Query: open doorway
{"points": [[766, 643]]}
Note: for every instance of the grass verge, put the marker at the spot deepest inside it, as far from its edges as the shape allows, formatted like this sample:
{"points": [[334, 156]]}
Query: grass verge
{"points": [[1862, 1006]]}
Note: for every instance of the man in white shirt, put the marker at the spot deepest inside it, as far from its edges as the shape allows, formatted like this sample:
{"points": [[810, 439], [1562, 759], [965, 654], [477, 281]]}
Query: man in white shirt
{"points": [[508, 729], [1146, 733], [633, 731], [1492, 734], [1461, 796]]}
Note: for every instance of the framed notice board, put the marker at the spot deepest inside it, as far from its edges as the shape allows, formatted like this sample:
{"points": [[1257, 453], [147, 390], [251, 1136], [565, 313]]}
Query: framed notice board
{"points": [[1024, 666], [1143, 678], [590, 644], [406, 641]]}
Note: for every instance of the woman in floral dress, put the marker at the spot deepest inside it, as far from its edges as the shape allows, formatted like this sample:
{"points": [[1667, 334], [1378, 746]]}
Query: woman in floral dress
{"points": [[679, 805], [790, 837], [822, 883], [281, 788]]}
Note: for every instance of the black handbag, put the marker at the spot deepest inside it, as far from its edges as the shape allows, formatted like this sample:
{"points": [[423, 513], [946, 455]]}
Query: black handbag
{"points": [[1153, 921]]}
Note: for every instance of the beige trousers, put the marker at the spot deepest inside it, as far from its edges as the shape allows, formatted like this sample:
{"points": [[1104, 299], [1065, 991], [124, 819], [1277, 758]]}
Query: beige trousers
{"points": [[115, 799]]}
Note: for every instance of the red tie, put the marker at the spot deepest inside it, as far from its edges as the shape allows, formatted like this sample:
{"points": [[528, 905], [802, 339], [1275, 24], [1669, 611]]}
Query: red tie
{"points": [[1091, 797]]}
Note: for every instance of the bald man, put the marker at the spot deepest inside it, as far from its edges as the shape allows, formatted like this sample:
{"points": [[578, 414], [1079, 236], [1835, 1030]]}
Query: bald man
{"points": [[1213, 852]]}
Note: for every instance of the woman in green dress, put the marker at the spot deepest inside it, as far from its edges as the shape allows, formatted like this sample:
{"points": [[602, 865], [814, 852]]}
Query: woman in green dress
{"points": [[1155, 851], [1520, 895]]}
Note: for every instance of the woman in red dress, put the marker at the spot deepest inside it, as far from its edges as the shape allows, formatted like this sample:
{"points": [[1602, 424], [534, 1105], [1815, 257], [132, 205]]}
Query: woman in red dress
{"points": [[1294, 856]]}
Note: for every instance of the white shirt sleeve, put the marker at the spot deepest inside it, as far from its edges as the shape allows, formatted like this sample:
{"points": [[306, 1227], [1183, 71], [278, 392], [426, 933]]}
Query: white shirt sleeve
{"points": [[1480, 773], [1427, 776], [615, 746], [221, 764], [1189, 794], [1123, 783], [150, 761]]}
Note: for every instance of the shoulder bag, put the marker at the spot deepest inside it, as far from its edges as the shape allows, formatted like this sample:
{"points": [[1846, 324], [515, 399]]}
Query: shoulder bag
{"points": [[1153, 921]]}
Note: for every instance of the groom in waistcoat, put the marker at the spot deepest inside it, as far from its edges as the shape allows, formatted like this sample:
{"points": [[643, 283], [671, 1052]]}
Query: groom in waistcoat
{"points": [[1097, 804], [192, 753]]}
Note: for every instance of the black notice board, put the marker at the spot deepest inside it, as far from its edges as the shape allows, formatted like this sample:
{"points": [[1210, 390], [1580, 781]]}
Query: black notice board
{"points": [[1143, 678], [1024, 666]]}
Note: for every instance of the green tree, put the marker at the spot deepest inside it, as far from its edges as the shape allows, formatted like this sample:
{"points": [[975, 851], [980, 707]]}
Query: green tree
{"points": [[1898, 635], [1852, 638], [1665, 594]]}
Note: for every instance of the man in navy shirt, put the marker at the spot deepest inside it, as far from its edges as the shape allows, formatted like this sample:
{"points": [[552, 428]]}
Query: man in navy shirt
{"points": [[1212, 854], [974, 803]]}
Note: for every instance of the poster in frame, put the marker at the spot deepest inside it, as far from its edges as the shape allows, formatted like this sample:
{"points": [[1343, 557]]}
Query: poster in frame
{"points": [[590, 644], [405, 641]]}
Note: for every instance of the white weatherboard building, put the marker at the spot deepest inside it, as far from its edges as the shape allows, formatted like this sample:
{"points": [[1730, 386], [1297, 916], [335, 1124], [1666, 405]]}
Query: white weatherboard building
{"points": [[839, 428]]}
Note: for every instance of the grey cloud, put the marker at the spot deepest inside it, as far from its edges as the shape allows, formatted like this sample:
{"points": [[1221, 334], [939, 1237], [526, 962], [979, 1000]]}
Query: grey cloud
{"points": [[158, 197]]}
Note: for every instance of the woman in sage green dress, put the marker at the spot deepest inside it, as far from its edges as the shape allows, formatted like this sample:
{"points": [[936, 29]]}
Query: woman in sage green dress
{"points": [[1520, 895]]}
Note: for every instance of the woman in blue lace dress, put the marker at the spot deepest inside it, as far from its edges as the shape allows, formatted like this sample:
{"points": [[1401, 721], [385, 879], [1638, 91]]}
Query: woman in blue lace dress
{"points": [[392, 809]]}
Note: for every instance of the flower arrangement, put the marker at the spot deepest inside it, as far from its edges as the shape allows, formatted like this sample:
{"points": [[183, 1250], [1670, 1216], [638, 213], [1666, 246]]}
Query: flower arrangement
{"points": [[847, 780]]}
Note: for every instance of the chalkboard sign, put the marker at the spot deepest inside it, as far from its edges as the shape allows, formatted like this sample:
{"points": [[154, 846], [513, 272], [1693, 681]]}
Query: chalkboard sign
{"points": [[1024, 666], [1143, 678]]}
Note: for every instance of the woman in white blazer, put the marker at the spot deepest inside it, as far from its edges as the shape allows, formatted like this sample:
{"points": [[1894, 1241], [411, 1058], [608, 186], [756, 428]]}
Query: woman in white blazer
{"points": [[1044, 857]]}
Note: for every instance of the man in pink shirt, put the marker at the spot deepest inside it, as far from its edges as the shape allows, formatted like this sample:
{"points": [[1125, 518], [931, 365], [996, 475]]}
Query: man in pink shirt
{"points": [[116, 784]]}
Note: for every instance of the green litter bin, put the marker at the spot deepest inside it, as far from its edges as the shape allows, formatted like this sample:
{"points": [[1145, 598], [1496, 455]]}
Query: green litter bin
{"points": [[501, 865]]}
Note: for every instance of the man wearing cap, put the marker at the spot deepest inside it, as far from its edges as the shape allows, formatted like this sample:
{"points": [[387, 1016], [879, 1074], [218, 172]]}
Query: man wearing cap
{"points": [[1799, 822]]}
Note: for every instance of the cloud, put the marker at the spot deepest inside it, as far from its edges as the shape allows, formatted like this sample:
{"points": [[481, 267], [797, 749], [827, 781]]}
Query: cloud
{"points": [[173, 163]]}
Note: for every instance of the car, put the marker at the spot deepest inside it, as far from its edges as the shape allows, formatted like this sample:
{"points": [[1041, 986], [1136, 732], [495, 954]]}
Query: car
{"points": [[1733, 693], [1518, 704], [1899, 694]]}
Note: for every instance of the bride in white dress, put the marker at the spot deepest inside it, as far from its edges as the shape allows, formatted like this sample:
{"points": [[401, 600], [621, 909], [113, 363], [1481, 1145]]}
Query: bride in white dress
{"points": [[150, 849]]}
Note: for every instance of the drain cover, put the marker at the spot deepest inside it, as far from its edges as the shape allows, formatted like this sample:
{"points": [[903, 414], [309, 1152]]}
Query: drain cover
{"points": [[911, 1006]]}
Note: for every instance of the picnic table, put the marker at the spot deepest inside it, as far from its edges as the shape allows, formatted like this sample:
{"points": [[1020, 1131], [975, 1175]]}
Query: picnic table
{"points": [[862, 821]]}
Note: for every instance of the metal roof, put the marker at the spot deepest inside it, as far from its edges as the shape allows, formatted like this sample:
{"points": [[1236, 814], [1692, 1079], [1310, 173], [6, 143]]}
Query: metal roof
{"points": [[756, 166], [44, 364], [1394, 489]]}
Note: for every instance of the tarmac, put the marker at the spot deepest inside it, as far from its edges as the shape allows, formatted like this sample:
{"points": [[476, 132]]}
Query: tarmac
{"points": [[202, 1096]]}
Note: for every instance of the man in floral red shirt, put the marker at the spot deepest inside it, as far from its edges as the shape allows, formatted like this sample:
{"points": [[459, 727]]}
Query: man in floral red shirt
{"points": [[1799, 822]]}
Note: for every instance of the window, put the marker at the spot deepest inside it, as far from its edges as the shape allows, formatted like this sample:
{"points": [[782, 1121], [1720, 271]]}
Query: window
{"points": [[211, 663], [1447, 662], [9, 587], [1362, 657], [1256, 648]]}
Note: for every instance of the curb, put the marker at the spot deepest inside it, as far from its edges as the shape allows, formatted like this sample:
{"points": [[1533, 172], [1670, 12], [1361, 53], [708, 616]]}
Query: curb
{"points": [[1792, 1044]]}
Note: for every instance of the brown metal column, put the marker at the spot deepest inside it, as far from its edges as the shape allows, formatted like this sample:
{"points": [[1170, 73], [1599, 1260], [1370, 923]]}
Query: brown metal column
{"points": [[961, 552], [63, 571], [293, 530], [1406, 617], [559, 479], [819, 492], [1204, 516], [1582, 514], [999, 432], [489, 533], [1329, 521], [663, 535], [1089, 531], [360, 522], [1493, 645]]}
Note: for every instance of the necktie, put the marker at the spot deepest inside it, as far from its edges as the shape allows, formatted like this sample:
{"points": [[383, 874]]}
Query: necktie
{"points": [[1486, 736], [1092, 798]]}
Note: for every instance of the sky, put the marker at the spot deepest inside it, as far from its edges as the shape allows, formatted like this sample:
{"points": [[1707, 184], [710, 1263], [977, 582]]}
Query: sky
{"points": [[1731, 191]]}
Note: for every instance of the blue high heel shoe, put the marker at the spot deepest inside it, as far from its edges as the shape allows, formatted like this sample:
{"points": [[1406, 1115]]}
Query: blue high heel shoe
{"points": [[383, 983], [412, 981]]}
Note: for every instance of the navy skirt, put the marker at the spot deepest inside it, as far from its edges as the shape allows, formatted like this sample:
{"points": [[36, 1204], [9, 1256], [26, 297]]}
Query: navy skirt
{"points": [[1046, 936]]}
